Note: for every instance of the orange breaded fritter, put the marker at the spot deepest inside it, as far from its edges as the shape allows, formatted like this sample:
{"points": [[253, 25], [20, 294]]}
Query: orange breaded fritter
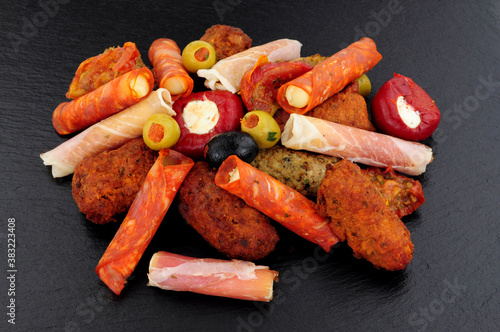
{"points": [[360, 216], [347, 107], [224, 220], [226, 40], [106, 184]]}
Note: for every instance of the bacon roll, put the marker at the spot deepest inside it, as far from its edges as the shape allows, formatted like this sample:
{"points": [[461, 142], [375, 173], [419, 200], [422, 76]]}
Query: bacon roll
{"points": [[165, 56]]}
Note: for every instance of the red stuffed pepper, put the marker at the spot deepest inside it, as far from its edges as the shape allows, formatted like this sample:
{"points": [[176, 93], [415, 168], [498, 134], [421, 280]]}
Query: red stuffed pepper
{"points": [[259, 86], [203, 115], [403, 109]]}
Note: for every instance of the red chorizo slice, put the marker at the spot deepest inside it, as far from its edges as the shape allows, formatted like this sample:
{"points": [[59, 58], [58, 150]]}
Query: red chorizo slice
{"points": [[110, 98], [143, 219], [276, 200], [332, 75]]}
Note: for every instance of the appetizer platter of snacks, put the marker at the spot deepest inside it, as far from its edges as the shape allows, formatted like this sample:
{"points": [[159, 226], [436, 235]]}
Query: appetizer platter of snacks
{"points": [[228, 175], [115, 103]]}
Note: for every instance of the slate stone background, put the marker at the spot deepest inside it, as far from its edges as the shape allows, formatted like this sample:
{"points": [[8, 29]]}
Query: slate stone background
{"points": [[450, 48]]}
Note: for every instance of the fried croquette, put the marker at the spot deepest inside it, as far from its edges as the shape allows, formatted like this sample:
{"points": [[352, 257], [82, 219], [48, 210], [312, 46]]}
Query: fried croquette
{"points": [[347, 107], [360, 216], [300, 170], [106, 184], [224, 220], [226, 40]]}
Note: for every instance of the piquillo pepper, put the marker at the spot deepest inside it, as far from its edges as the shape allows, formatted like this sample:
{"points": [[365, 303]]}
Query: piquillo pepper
{"points": [[203, 115], [260, 84], [403, 109]]}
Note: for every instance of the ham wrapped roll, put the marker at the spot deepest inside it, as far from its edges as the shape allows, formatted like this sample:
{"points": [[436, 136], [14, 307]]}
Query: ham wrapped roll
{"points": [[227, 73], [143, 219], [276, 200], [100, 69], [107, 134], [165, 56], [316, 135], [234, 279], [120, 93], [328, 77]]}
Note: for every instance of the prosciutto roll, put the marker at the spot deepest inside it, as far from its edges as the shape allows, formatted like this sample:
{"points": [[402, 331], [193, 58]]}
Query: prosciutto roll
{"points": [[165, 56], [143, 218], [227, 73], [107, 134], [316, 135], [108, 99], [276, 200], [328, 77], [234, 279]]}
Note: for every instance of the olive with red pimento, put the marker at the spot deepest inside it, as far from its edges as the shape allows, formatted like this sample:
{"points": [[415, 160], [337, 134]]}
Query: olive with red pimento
{"points": [[203, 115], [403, 109]]}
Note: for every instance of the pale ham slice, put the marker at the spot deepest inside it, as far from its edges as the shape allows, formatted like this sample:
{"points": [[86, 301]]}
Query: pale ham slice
{"points": [[312, 134], [107, 134], [227, 73], [234, 279]]}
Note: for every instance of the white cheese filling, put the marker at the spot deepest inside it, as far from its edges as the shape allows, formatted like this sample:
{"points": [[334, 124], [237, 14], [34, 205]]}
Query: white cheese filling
{"points": [[407, 113], [200, 116]]}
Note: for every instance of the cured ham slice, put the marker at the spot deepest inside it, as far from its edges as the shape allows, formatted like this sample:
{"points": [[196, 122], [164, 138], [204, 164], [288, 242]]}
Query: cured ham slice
{"points": [[316, 135], [107, 134], [234, 279], [143, 219], [227, 73], [276, 200], [165, 56], [110, 98], [328, 77]]}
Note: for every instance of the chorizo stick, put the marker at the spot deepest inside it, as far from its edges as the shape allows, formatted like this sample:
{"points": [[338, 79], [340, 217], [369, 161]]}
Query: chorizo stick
{"points": [[276, 200], [108, 99], [328, 77], [165, 56], [143, 219]]}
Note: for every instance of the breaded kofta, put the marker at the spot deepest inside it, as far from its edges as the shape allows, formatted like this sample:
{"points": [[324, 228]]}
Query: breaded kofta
{"points": [[360, 216], [226, 40], [225, 221], [347, 107], [106, 184]]}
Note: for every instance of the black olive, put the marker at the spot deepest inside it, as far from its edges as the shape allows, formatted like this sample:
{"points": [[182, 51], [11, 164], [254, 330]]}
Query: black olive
{"points": [[221, 146]]}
